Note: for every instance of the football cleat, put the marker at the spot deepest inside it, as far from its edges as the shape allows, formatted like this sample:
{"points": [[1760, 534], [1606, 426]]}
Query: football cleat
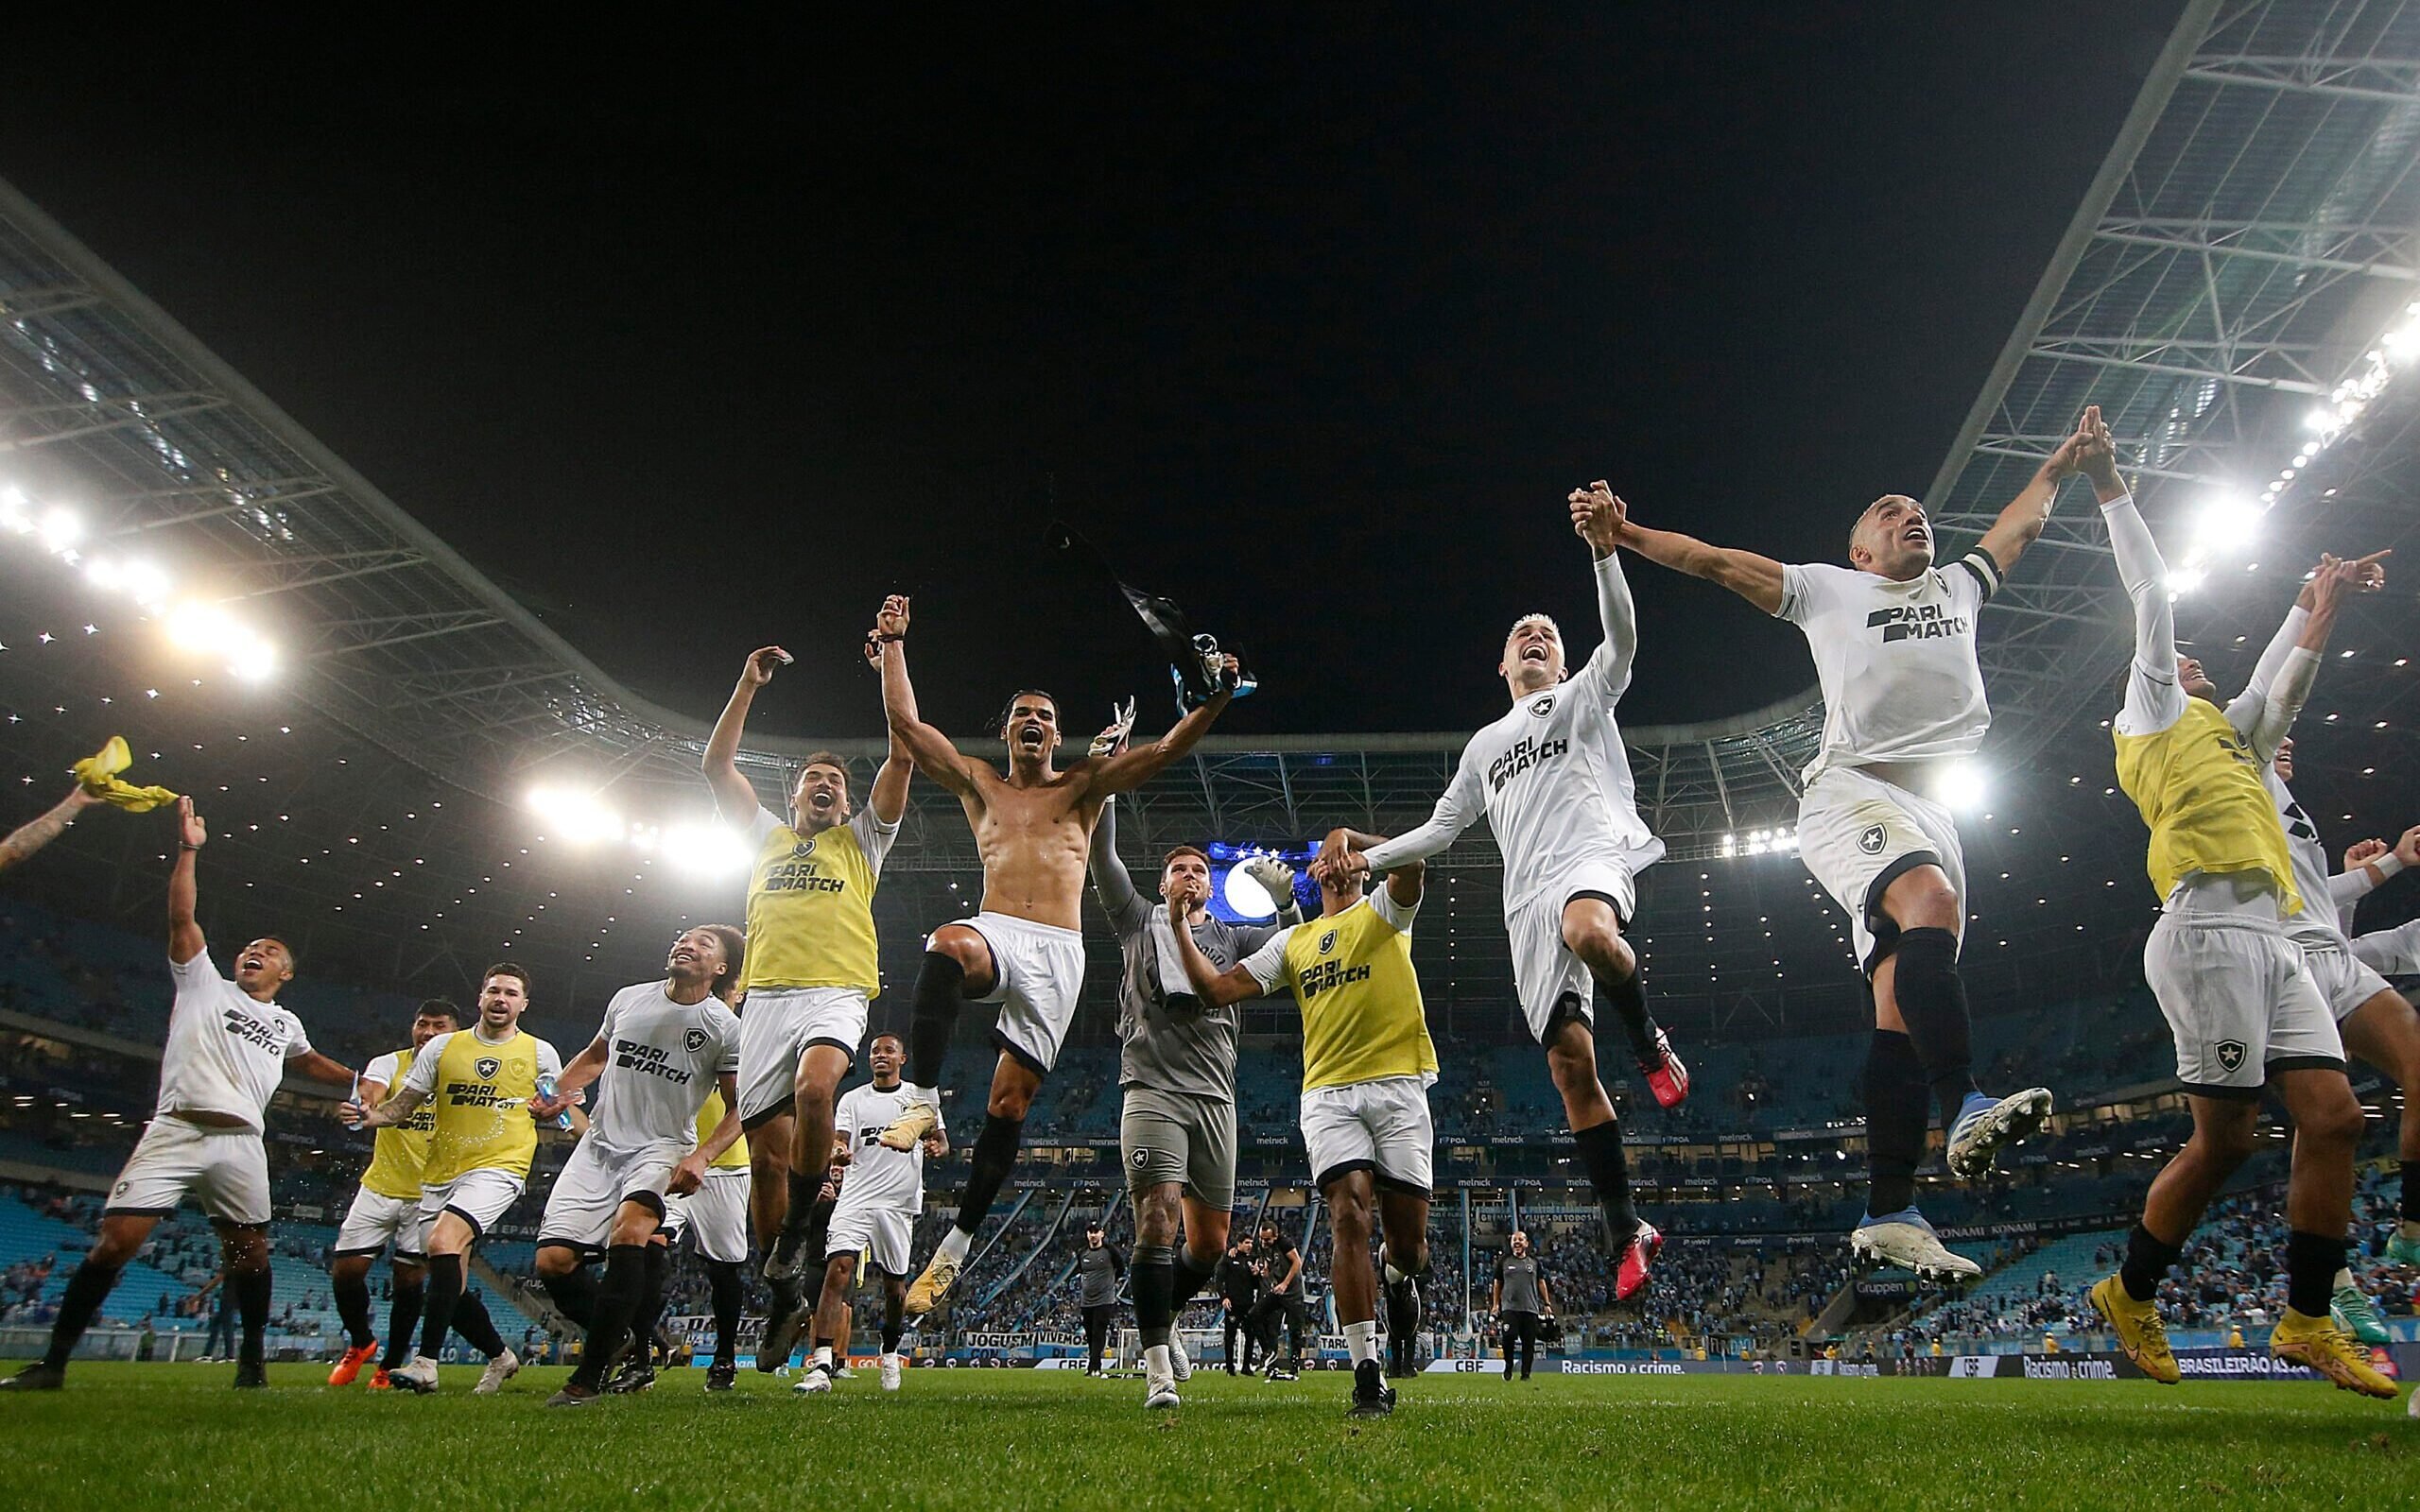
{"points": [[1665, 1076], [914, 1122], [891, 1372], [500, 1369], [1637, 1255], [940, 1275], [348, 1368], [722, 1377], [2351, 1311], [1904, 1240], [2139, 1331], [1372, 1395], [2327, 1351], [37, 1376], [1984, 1126], [1159, 1381], [250, 1375], [573, 1395], [382, 1381], [636, 1376], [1179, 1361], [816, 1383], [418, 1374]]}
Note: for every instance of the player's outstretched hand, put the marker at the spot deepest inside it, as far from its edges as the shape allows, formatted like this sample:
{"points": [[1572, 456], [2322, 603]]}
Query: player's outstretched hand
{"points": [[2406, 850], [1112, 739], [761, 664], [2361, 852], [2090, 450], [191, 832]]}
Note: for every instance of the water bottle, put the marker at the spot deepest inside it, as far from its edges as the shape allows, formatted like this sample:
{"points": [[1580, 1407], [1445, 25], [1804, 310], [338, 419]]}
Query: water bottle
{"points": [[546, 1089]]}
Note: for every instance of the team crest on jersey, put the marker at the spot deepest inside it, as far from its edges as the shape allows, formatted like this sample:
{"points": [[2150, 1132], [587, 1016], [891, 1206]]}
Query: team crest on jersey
{"points": [[803, 848], [1328, 943], [693, 1040], [1544, 706], [487, 1066], [2230, 1054], [1872, 840]]}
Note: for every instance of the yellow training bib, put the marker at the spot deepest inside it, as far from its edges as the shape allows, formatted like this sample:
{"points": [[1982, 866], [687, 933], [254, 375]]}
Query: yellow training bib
{"points": [[2197, 785], [399, 1152], [810, 912], [1362, 1015], [482, 1098], [708, 1117]]}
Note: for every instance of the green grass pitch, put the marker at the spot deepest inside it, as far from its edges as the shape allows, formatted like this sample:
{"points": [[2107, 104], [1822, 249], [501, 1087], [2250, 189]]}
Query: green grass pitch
{"points": [[126, 1436]]}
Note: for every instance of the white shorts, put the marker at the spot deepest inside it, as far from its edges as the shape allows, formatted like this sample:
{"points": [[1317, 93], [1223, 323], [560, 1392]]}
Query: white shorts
{"points": [[2343, 980], [2240, 1003], [718, 1210], [594, 1183], [869, 1226], [1553, 982], [478, 1197], [1037, 971], [1380, 1125], [375, 1221], [225, 1170], [776, 1024], [1858, 834]]}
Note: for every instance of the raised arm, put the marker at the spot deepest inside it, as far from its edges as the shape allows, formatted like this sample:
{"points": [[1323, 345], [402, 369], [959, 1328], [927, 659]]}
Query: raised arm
{"points": [[2369, 864], [1755, 578], [2155, 700], [928, 748], [889, 798], [1458, 808], [1596, 516], [2022, 518], [734, 796], [1112, 884], [398, 1105], [185, 933], [1129, 769], [34, 833], [1213, 986]]}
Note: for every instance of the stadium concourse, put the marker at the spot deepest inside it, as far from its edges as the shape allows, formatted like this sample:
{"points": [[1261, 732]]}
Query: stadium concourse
{"points": [[409, 774]]}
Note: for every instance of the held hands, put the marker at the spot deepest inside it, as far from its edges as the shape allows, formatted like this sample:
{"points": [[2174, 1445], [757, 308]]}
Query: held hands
{"points": [[890, 624], [1337, 859], [1598, 517], [761, 664], [2091, 452], [2336, 577], [191, 833]]}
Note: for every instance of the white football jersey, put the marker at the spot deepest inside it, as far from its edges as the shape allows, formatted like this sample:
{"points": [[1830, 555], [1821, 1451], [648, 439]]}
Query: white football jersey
{"points": [[225, 1053], [878, 1175], [2319, 921], [661, 1060], [1896, 660]]}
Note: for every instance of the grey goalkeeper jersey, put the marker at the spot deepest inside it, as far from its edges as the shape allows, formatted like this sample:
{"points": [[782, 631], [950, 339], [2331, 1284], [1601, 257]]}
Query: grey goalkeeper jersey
{"points": [[1192, 1054], [1096, 1273], [1517, 1282]]}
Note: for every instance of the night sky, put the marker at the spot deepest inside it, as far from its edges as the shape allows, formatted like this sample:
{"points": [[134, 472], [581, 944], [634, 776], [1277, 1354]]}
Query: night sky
{"points": [[1308, 319]]}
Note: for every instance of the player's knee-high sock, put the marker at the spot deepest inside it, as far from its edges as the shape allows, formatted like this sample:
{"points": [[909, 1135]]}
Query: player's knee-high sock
{"points": [[1896, 1119], [574, 1293], [403, 1317], [445, 1295], [252, 1290], [1932, 1001], [1191, 1276], [939, 982], [996, 1155], [476, 1329], [1153, 1276], [651, 1307], [352, 1308], [618, 1299], [2311, 1263], [1629, 999], [728, 1294], [1600, 1156], [895, 1320], [804, 1190], [86, 1290], [2149, 1259]]}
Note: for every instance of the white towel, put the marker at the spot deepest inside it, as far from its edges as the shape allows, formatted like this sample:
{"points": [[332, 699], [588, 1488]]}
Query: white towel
{"points": [[1176, 989]]}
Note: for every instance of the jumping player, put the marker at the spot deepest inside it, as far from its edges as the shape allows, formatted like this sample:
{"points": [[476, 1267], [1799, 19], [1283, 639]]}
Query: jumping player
{"points": [[2389, 1041], [1025, 949], [813, 966], [1554, 781], [229, 1046], [2246, 1012], [1893, 641], [1367, 1067], [385, 1214]]}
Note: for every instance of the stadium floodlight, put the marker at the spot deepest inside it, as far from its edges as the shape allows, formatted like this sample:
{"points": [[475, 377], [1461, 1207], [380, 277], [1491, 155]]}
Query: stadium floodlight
{"points": [[197, 626], [252, 658], [1965, 785], [61, 529], [145, 582], [1247, 897], [577, 817], [705, 850], [2226, 523], [2183, 581]]}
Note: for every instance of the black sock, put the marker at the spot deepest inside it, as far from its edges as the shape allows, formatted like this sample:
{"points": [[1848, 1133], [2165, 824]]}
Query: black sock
{"points": [[996, 1155], [651, 1307], [445, 1295], [1933, 1003], [352, 1308], [1153, 1274], [253, 1291], [574, 1295], [2150, 1258], [1600, 1156], [938, 982], [1191, 1276], [2311, 1263], [800, 1220], [1629, 999], [86, 1290], [895, 1320], [618, 1299], [402, 1317], [472, 1325], [729, 1294], [1896, 1115]]}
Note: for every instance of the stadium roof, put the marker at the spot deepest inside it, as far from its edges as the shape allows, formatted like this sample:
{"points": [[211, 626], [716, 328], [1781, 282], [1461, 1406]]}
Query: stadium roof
{"points": [[2252, 232]]}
